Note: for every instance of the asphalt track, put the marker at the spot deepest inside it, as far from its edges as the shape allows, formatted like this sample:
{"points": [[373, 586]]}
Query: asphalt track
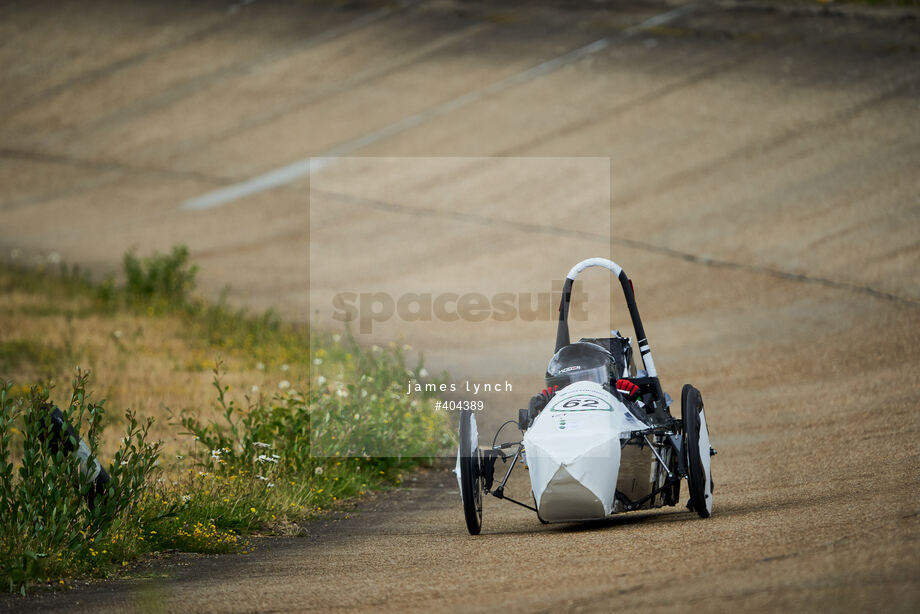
{"points": [[753, 167]]}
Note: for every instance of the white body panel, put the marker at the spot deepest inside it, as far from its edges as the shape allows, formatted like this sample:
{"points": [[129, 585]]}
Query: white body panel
{"points": [[573, 452]]}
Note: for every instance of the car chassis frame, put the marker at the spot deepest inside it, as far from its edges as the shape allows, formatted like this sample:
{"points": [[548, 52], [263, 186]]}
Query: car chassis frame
{"points": [[675, 454]]}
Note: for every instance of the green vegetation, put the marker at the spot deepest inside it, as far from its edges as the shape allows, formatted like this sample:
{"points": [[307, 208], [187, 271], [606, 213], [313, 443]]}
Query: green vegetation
{"points": [[256, 453], [15, 352], [47, 528], [167, 279]]}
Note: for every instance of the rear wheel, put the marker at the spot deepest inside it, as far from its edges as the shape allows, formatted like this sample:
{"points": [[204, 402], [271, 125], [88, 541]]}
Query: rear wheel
{"points": [[470, 472], [698, 451]]}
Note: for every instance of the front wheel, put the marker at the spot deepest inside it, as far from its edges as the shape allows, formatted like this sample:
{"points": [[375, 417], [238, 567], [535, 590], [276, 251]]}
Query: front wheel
{"points": [[470, 463], [698, 451]]}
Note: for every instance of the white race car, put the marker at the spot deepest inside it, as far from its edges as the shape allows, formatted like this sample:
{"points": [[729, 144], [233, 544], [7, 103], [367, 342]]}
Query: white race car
{"points": [[593, 449]]}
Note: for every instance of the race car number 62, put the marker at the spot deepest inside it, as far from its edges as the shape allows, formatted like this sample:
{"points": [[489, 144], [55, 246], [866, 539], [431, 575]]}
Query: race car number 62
{"points": [[586, 402]]}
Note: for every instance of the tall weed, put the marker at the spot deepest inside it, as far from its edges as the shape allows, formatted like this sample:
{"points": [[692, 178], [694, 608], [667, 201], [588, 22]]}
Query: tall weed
{"points": [[49, 523]]}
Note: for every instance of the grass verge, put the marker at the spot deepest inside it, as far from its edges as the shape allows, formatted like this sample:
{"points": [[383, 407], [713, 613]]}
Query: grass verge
{"points": [[236, 407]]}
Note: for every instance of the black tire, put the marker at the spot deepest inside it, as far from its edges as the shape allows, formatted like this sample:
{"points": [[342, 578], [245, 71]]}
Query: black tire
{"points": [[470, 483], [696, 436]]}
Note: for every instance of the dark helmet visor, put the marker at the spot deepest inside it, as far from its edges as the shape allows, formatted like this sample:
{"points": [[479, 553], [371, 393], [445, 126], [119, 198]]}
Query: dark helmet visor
{"points": [[596, 374]]}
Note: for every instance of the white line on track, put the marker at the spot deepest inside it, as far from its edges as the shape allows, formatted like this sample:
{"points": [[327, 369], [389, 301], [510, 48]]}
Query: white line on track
{"points": [[300, 168]]}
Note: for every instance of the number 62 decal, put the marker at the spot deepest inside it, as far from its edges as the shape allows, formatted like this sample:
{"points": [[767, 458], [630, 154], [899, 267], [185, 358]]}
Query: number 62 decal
{"points": [[583, 402]]}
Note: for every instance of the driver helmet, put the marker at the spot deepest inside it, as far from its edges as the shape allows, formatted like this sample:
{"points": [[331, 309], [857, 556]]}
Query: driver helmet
{"points": [[578, 362]]}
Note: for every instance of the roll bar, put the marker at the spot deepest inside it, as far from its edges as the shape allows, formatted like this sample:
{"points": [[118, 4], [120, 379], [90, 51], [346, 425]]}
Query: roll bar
{"points": [[562, 332]]}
